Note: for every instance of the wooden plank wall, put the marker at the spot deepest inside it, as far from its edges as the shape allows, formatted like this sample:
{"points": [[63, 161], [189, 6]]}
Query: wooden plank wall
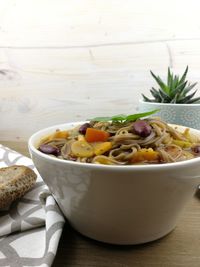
{"points": [[68, 60]]}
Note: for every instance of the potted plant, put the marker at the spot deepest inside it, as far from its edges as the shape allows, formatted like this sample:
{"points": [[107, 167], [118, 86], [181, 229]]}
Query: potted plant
{"points": [[175, 100]]}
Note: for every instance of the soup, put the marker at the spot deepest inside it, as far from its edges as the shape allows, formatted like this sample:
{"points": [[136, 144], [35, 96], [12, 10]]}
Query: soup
{"points": [[143, 141]]}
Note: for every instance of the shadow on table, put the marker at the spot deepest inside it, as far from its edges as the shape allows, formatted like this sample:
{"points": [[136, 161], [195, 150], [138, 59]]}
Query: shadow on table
{"points": [[78, 250]]}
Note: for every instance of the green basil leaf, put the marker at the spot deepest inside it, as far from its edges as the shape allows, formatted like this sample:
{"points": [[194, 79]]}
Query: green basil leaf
{"points": [[140, 115], [122, 117]]}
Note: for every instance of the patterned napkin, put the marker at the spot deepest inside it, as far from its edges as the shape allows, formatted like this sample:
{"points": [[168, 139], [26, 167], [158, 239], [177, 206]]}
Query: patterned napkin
{"points": [[31, 227]]}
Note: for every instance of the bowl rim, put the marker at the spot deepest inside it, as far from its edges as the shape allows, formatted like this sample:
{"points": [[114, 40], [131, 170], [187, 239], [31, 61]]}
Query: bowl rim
{"points": [[146, 167]]}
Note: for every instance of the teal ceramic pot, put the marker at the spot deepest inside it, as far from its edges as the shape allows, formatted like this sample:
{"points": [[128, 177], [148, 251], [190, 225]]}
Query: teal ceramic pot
{"points": [[181, 114]]}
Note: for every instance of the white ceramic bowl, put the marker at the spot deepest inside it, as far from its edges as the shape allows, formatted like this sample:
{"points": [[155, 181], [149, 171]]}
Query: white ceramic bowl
{"points": [[118, 204]]}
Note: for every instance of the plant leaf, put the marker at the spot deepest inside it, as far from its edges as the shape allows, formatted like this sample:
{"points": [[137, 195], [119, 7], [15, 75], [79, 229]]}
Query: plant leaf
{"points": [[187, 98], [188, 88], [175, 82], [174, 100], [155, 94], [160, 82], [184, 75], [134, 117], [147, 99], [194, 100], [169, 77], [178, 89], [164, 96], [171, 82], [122, 117]]}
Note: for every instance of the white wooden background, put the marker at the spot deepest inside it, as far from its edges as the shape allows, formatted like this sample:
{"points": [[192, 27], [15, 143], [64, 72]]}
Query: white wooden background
{"points": [[69, 60]]}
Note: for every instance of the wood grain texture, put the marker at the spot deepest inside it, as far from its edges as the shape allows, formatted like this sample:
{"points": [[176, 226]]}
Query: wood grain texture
{"points": [[77, 23], [68, 60], [181, 248], [56, 86]]}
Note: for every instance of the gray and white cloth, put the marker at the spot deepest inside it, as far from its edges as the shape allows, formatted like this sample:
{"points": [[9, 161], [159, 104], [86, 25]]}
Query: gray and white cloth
{"points": [[31, 227]]}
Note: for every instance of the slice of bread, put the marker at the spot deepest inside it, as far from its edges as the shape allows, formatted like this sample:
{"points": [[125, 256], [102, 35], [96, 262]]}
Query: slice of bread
{"points": [[15, 181]]}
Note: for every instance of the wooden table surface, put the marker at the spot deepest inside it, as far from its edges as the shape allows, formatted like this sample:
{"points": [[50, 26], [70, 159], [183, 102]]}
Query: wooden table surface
{"points": [[180, 248]]}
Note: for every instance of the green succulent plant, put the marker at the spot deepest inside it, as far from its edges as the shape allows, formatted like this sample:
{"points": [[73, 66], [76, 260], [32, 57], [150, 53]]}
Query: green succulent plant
{"points": [[176, 90]]}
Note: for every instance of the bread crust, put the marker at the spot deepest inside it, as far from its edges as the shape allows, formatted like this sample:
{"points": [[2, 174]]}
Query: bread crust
{"points": [[17, 180]]}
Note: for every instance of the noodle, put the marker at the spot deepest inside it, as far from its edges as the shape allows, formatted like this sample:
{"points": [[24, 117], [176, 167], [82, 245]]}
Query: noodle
{"points": [[148, 141]]}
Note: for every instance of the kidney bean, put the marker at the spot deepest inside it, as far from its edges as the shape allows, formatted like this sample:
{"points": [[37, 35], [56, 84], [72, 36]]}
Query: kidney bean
{"points": [[142, 128], [196, 149], [83, 128], [48, 149]]}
